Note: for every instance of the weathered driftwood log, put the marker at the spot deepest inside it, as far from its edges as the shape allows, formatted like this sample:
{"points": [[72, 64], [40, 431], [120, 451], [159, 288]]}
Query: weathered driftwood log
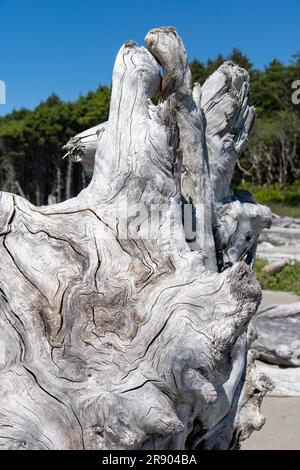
{"points": [[278, 330], [279, 253], [125, 311], [282, 242], [286, 380], [82, 147]]}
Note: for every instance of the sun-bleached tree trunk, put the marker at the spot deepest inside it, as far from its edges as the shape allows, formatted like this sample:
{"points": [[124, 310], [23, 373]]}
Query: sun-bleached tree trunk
{"points": [[124, 312]]}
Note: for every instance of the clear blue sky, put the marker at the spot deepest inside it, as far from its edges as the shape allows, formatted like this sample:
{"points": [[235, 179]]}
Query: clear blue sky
{"points": [[68, 46]]}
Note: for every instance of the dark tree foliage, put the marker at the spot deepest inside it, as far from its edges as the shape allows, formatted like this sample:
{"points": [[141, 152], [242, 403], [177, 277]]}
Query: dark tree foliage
{"points": [[31, 142], [273, 153]]}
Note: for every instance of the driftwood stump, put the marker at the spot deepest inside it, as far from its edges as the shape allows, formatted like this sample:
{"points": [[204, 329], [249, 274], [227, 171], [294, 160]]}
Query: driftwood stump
{"points": [[124, 312]]}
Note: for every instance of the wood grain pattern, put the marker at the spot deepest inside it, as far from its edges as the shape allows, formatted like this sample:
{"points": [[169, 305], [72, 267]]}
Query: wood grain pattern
{"points": [[115, 335]]}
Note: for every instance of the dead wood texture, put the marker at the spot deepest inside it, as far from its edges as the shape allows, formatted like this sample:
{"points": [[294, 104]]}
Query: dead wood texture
{"points": [[125, 330]]}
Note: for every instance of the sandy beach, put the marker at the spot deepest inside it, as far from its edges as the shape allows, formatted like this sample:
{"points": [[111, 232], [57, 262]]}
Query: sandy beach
{"points": [[282, 428], [275, 298]]}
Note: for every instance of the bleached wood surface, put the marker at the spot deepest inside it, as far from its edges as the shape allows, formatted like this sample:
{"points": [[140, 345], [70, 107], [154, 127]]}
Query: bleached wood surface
{"points": [[278, 330], [114, 335], [282, 241], [286, 381]]}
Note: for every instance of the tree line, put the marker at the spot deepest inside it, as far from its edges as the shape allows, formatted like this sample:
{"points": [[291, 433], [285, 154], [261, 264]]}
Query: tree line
{"points": [[31, 141]]}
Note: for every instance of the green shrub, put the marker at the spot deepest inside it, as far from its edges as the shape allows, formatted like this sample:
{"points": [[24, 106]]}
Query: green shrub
{"points": [[283, 201], [292, 193], [265, 195], [287, 280]]}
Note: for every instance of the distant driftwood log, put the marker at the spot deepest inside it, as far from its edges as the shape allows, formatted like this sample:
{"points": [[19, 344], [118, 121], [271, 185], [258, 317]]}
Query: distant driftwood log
{"points": [[281, 244], [114, 337], [278, 329]]}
